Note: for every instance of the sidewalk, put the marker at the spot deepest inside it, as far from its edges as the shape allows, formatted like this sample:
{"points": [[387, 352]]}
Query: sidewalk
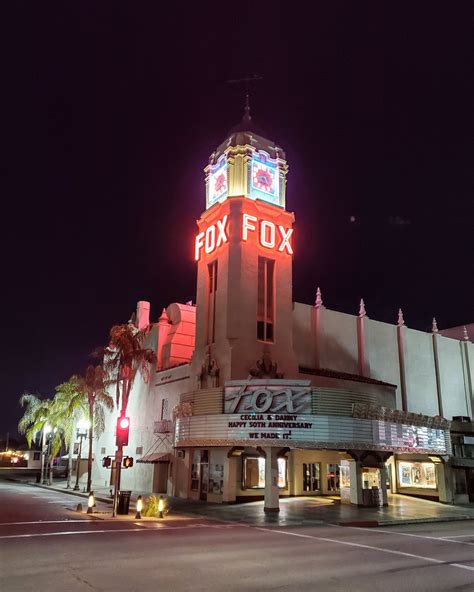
{"points": [[293, 511]]}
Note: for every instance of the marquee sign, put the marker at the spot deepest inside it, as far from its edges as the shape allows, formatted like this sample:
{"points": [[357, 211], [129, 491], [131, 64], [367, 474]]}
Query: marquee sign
{"points": [[268, 396], [270, 235], [309, 431]]}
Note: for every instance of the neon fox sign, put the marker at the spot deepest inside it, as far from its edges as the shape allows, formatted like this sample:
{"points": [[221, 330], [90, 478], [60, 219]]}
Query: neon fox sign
{"points": [[270, 235]]}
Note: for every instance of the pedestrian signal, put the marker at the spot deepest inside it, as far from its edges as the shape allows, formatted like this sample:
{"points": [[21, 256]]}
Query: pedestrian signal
{"points": [[128, 462]]}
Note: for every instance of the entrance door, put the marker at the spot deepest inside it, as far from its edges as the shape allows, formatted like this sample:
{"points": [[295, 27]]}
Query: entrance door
{"points": [[204, 480], [160, 477], [333, 472], [470, 483], [311, 477]]}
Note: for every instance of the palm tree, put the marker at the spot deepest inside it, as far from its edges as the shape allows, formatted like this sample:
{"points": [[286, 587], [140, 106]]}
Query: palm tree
{"points": [[93, 390], [39, 417], [123, 358], [69, 406]]}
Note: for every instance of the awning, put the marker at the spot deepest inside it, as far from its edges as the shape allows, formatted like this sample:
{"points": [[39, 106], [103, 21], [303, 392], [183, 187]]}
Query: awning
{"points": [[156, 457]]}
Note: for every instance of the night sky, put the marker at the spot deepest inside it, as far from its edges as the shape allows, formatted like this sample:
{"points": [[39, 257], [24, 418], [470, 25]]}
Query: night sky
{"points": [[110, 111]]}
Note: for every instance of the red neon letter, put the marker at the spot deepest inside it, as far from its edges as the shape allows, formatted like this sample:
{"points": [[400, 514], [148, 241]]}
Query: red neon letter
{"points": [[222, 238], [210, 243], [285, 240], [198, 246], [264, 225], [246, 226]]}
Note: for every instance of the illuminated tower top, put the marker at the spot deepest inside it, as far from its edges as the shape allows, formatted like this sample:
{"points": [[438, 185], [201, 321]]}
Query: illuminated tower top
{"points": [[246, 165]]}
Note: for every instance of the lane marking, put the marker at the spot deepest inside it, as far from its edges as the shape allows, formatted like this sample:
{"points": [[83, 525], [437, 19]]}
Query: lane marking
{"points": [[67, 532], [65, 521], [102, 531], [458, 536], [370, 547]]}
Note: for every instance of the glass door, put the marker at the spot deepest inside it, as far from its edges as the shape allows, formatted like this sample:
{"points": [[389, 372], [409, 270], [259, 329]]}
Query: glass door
{"points": [[311, 477], [333, 478]]}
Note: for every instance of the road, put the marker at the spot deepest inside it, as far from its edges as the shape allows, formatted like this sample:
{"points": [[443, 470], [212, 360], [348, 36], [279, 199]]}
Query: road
{"points": [[45, 546]]}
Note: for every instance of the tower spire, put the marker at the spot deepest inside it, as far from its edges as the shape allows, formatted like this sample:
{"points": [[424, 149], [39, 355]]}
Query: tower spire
{"points": [[247, 118], [401, 320], [319, 299]]}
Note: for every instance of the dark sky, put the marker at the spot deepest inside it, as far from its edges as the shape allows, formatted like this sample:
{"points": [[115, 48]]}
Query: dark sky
{"points": [[110, 111]]}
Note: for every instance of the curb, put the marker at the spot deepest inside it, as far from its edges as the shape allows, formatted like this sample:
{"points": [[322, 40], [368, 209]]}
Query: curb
{"points": [[72, 492]]}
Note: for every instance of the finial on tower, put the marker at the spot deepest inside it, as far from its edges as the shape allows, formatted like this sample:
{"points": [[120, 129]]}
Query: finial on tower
{"points": [[247, 118], [164, 317], [362, 311], [434, 326], [465, 334], [319, 300], [401, 320], [248, 80]]}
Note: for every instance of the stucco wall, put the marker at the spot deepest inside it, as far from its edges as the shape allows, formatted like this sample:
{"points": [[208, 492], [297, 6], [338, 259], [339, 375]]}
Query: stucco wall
{"points": [[303, 340], [382, 353], [452, 377], [420, 372], [144, 408], [338, 342]]}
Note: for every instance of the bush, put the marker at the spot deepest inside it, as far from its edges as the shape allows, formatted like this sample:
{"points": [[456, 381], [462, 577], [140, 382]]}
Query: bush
{"points": [[151, 507]]}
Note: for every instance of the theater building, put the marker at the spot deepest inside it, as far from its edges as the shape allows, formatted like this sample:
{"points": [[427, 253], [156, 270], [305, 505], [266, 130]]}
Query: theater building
{"points": [[255, 396]]}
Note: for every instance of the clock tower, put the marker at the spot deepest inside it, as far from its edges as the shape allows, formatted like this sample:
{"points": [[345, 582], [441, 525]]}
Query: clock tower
{"points": [[244, 251]]}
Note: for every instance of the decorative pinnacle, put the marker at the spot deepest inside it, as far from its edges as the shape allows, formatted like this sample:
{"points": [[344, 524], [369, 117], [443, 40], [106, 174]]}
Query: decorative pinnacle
{"points": [[401, 320], [465, 334], [319, 300], [362, 311], [164, 317], [434, 327]]}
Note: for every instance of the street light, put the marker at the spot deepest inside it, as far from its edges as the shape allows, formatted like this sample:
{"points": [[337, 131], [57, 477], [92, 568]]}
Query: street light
{"points": [[82, 428]]}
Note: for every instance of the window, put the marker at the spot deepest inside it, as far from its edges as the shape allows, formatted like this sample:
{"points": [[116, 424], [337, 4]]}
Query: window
{"points": [[211, 301], [165, 409], [36, 455], [417, 474], [139, 450], [266, 304], [254, 473], [102, 450]]}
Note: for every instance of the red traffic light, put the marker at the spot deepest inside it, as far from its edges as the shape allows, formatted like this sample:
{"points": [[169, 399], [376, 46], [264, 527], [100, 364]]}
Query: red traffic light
{"points": [[124, 423], [123, 427]]}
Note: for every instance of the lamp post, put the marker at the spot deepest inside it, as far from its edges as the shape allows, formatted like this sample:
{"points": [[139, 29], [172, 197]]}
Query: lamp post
{"points": [[82, 428]]}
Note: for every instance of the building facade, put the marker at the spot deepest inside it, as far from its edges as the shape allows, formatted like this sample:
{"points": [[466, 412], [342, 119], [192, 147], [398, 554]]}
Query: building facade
{"points": [[254, 396]]}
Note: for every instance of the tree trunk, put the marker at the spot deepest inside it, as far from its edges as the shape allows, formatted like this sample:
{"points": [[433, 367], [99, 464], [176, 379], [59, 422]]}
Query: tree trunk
{"points": [[69, 460], [43, 456], [91, 431]]}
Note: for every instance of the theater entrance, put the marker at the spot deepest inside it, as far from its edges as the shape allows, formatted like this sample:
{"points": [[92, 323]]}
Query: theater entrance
{"points": [[311, 478]]}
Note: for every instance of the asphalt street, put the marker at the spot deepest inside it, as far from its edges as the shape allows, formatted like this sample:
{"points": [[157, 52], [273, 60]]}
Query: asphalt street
{"points": [[45, 546]]}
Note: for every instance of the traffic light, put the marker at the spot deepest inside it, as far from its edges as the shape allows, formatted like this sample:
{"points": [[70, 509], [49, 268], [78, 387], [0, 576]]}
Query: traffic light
{"points": [[128, 462], [106, 462], [123, 427]]}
